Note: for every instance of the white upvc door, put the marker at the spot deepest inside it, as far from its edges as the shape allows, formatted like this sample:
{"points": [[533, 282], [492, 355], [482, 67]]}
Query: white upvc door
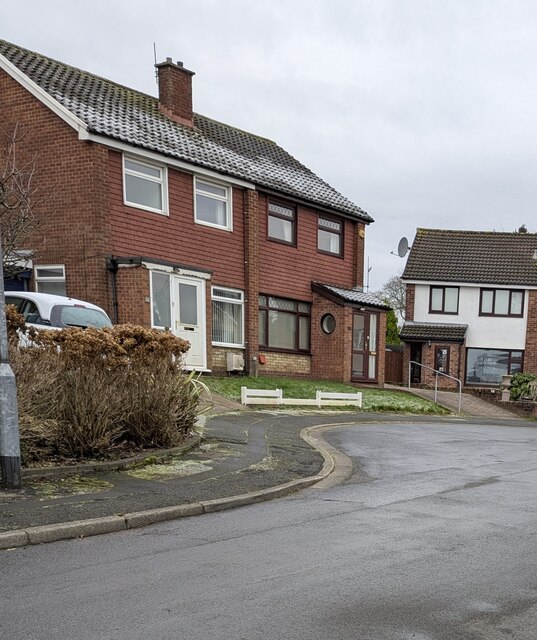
{"points": [[189, 318]]}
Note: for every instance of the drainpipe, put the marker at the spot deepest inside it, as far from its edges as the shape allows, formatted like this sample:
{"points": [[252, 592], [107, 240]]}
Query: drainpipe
{"points": [[112, 267]]}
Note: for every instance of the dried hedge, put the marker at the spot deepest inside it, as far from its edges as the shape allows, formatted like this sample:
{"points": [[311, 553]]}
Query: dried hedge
{"points": [[89, 392]]}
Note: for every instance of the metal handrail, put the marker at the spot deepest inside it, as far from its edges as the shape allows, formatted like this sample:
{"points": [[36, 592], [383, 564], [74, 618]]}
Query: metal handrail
{"points": [[438, 373]]}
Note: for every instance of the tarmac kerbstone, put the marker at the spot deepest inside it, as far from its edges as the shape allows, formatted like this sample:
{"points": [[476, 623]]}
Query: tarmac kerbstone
{"points": [[11, 539], [76, 529], [151, 516]]}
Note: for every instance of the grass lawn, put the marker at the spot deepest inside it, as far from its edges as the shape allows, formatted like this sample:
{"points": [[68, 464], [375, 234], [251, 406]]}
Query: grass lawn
{"points": [[373, 399]]}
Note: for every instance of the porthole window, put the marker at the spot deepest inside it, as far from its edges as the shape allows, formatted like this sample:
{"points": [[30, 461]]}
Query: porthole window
{"points": [[328, 323]]}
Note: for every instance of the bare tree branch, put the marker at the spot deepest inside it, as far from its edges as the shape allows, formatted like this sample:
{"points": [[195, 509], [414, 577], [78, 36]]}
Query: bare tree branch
{"points": [[19, 197], [393, 292]]}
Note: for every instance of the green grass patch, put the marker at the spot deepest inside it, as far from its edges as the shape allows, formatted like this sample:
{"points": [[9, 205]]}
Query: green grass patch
{"points": [[372, 399]]}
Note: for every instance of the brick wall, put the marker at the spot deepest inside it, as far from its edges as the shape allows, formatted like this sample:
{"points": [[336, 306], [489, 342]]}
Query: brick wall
{"points": [[285, 364], [219, 359], [410, 299], [251, 272], [288, 271], [329, 357], [72, 228], [530, 354], [132, 286], [176, 237], [456, 364]]}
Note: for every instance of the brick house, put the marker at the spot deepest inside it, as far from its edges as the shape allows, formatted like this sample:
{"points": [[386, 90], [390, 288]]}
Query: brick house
{"points": [[471, 306], [169, 219]]}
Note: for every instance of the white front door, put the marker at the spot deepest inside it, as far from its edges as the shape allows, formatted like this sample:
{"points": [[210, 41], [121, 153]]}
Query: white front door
{"points": [[189, 318]]}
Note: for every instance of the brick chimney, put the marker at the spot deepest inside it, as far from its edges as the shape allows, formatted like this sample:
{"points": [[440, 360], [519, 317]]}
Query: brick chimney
{"points": [[175, 91]]}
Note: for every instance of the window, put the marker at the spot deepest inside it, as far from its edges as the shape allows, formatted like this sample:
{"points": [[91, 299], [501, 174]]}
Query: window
{"points": [[144, 185], [501, 302], [444, 300], [441, 359], [487, 366], [212, 204], [281, 223], [161, 314], [50, 279], [330, 236], [284, 324], [328, 323], [228, 317]]}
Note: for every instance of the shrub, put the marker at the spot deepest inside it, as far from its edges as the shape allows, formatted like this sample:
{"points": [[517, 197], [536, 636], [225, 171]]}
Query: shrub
{"points": [[84, 392], [520, 385]]}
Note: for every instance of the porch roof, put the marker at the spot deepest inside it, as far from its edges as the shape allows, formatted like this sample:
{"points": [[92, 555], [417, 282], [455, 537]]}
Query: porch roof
{"points": [[355, 297], [418, 331]]}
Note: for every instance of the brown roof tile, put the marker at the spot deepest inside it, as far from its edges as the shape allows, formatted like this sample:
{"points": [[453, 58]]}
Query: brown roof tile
{"points": [[482, 257]]}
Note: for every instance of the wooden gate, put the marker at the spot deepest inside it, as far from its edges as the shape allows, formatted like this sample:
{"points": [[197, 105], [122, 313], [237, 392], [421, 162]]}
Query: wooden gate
{"points": [[394, 367]]}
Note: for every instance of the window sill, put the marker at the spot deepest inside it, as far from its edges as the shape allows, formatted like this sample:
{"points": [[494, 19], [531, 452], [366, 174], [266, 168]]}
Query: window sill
{"points": [[228, 346], [213, 226], [141, 207]]}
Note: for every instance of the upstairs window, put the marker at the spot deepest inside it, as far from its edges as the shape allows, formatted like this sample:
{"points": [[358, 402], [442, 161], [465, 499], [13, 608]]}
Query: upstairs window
{"points": [[444, 300], [144, 185], [281, 223], [501, 302], [212, 205], [330, 236], [50, 279]]}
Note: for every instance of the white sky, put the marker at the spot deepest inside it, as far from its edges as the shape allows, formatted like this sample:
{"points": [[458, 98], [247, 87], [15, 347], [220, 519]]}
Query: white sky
{"points": [[422, 112]]}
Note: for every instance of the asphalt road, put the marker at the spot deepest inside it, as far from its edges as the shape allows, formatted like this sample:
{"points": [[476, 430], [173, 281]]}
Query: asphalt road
{"points": [[433, 537]]}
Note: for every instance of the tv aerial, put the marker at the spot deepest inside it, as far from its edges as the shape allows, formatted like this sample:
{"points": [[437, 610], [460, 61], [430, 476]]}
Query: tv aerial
{"points": [[402, 248]]}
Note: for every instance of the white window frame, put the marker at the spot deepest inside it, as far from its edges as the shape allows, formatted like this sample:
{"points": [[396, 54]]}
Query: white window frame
{"points": [[38, 279], [227, 199], [232, 301], [163, 181]]}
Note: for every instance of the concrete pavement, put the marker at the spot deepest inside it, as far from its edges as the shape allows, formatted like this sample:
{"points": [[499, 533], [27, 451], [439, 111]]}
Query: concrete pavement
{"points": [[470, 405]]}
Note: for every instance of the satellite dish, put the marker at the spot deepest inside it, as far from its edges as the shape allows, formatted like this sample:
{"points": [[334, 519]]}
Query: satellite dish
{"points": [[402, 247]]}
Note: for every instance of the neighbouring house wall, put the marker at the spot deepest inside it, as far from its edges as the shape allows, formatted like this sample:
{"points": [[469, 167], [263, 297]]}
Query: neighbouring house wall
{"points": [[410, 300], [483, 331], [456, 365], [530, 355], [73, 228]]}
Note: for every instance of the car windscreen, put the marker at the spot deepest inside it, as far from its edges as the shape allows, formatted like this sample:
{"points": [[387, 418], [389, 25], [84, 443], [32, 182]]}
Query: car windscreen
{"points": [[69, 316]]}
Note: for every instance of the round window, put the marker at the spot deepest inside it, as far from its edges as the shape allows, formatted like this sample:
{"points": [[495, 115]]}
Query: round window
{"points": [[328, 323]]}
